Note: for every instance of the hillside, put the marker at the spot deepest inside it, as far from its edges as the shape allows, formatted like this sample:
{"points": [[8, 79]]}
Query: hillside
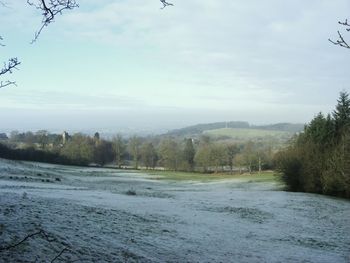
{"points": [[287, 127], [246, 134], [232, 126], [200, 128]]}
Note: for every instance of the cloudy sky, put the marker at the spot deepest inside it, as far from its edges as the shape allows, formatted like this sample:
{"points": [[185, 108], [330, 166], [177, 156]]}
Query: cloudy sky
{"points": [[112, 64]]}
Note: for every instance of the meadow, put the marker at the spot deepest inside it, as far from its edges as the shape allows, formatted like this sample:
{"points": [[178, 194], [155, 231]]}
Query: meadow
{"points": [[81, 214]]}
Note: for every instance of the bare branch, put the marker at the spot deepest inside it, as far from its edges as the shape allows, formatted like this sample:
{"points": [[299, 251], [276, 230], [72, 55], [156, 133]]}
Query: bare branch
{"points": [[38, 233], [60, 254], [8, 68], [6, 83], [345, 24], [341, 41], [1, 44], [3, 4], [165, 3], [50, 8]]}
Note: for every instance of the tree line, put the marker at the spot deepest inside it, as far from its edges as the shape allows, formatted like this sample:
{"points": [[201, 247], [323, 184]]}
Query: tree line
{"points": [[318, 159], [170, 153]]}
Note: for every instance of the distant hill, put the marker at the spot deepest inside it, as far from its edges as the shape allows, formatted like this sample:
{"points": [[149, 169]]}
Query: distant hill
{"points": [[287, 127], [198, 129], [245, 134]]}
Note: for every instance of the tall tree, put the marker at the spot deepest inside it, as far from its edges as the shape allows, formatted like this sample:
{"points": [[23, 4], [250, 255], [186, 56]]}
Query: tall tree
{"points": [[42, 138], [188, 154], [169, 154], [103, 152], [231, 151], [134, 150], [119, 147], [79, 150], [318, 160], [239, 161], [217, 155], [341, 114], [249, 155], [202, 157], [320, 130], [148, 155]]}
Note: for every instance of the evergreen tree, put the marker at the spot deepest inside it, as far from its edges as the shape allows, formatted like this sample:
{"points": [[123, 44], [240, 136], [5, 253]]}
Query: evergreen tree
{"points": [[321, 131], [319, 159], [189, 153], [341, 114]]}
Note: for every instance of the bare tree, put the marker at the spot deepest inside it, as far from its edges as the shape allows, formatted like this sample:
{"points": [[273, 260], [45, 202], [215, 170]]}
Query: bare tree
{"points": [[8, 67], [341, 40], [49, 10]]}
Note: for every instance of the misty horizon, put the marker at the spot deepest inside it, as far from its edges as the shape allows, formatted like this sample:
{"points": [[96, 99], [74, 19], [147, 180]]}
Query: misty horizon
{"points": [[114, 122]]}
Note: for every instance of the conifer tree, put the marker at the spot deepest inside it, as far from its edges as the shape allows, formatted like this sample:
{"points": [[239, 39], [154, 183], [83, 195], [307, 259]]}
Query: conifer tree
{"points": [[341, 114], [189, 153]]}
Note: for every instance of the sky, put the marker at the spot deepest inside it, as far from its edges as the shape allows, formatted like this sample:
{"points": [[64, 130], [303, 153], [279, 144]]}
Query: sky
{"points": [[127, 64]]}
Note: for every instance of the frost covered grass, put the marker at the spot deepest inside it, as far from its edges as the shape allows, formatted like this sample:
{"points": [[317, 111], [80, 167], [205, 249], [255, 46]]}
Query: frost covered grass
{"points": [[89, 216]]}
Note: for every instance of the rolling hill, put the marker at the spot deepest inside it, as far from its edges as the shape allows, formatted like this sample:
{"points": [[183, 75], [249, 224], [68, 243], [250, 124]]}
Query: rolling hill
{"points": [[234, 128]]}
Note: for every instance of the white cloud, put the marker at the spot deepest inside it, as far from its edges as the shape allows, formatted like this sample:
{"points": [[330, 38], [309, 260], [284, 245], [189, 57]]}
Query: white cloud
{"points": [[220, 56]]}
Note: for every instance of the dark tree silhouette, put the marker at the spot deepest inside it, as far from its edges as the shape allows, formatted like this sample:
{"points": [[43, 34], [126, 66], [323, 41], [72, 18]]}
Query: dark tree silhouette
{"points": [[341, 41]]}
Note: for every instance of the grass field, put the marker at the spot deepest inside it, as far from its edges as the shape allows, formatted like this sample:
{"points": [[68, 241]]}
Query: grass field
{"points": [[187, 176], [246, 134], [108, 215]]}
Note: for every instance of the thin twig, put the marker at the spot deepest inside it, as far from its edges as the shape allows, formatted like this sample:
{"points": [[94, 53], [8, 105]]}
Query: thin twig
{"points": [[341, 41], [8, 68], [59, 254], [22, 241], [3, 4], [44, 235], [50, 8], [7, 83], [165, 4]]}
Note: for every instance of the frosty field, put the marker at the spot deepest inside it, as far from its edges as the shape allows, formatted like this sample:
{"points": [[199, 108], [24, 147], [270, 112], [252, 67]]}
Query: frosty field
{"points": [[106, 215]]}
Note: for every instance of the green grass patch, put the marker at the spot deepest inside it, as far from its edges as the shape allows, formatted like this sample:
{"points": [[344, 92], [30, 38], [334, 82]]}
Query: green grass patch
{"points": [[245, 134], [188, 176]]}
